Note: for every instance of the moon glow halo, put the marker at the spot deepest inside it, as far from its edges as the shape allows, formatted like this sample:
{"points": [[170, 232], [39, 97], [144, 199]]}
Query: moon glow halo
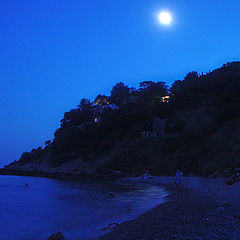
{"points": [[165, 18]]}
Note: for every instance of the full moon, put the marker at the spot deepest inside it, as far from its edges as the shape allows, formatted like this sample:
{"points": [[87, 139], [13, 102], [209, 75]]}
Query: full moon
{"points": [[165, 18]]}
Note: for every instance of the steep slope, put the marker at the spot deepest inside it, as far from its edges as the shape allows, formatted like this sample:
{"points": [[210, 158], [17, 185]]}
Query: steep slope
{"points": [[201, 135]]}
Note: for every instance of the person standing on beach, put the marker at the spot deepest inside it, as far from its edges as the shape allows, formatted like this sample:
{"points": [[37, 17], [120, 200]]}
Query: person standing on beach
{"points": [[147, 175], [178, 178]]}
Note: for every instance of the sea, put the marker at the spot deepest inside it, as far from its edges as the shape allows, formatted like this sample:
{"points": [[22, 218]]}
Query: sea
{"points": [[33, 208]]}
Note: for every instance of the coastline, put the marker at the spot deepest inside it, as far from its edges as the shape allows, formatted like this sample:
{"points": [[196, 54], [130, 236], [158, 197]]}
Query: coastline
{"points": [[81, 176], [202, 209], [54, 175]]}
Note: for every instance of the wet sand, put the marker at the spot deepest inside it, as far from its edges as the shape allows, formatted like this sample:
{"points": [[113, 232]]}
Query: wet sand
{"points": [[202, 209]]}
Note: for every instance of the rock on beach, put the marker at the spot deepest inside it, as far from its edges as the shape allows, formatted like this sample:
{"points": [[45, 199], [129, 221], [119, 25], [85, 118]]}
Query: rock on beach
{"points": [[56, 236]]}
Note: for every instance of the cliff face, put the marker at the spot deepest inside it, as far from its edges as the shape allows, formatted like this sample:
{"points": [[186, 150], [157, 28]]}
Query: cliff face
{"points": [[201, 135], [73, 168]]}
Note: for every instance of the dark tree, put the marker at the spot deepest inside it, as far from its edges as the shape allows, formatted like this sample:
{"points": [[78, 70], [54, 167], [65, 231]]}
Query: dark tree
{"points": [[120, 92], [191, 76], [152, 92], [47, 142], [101, 100], [85, 105], [176, 87]]}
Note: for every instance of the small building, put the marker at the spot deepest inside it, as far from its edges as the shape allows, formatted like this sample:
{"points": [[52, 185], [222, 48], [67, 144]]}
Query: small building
{"points": [[97, 111], [158, 126], [165, 99], [147, 134]]}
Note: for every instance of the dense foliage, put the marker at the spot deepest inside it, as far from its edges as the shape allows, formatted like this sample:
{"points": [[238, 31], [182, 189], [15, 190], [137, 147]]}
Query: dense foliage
{"points": [[201, 135]]}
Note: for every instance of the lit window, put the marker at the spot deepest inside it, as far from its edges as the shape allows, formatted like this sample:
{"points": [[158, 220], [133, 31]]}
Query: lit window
{"points": [[165, 99]]}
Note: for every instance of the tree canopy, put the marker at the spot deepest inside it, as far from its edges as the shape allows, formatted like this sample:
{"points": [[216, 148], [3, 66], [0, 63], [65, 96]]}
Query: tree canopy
{"points": [[198, 106]]}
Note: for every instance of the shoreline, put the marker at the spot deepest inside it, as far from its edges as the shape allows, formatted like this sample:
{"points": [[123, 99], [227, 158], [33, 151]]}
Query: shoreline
{"points": [[205, 209], [57, 175], [54, 175]]}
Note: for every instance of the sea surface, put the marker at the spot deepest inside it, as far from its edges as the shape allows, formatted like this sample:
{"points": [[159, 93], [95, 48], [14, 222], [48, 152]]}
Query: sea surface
{"points": [[32, 208]]}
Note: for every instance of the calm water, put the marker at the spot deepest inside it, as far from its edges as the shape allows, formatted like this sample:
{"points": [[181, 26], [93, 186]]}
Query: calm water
{"points": [[79, 210]]}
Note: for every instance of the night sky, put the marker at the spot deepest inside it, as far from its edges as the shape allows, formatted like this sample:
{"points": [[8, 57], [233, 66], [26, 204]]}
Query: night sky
{"points": [[55, 52]]}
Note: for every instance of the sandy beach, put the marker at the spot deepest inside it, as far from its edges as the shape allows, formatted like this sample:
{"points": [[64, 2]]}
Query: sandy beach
{"points": [[202, 209]]}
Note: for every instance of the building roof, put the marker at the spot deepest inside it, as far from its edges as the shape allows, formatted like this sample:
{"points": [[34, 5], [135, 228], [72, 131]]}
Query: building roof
{"points": [[110, 106]]}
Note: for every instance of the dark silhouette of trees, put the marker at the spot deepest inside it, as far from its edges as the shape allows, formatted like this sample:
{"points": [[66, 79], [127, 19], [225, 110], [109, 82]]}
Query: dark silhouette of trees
{"points": [[152, 92], [119, 93], [78, 116], [212, 98], [153, 88], [176, 87], [47, 142], [192, 76], [101, 100], [85, 105]]}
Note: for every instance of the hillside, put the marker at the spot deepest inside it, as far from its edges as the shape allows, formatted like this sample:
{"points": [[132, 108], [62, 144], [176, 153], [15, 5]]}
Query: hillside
{"points": [[193, 125]]}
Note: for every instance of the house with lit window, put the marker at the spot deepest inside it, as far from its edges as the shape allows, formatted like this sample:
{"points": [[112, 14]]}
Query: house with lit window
{"points": [[165, 99], [97, 111]]}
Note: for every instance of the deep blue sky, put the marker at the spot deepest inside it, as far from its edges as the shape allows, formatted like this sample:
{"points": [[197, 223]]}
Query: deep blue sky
{"points": [[55, 52]]}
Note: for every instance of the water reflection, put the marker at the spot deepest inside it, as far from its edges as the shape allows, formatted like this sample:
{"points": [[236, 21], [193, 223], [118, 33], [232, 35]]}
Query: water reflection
{"points": [[77, 209]]}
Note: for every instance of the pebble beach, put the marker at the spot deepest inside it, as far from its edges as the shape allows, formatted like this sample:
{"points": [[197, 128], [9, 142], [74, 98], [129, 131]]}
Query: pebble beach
{"points": [[202, 209]]}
